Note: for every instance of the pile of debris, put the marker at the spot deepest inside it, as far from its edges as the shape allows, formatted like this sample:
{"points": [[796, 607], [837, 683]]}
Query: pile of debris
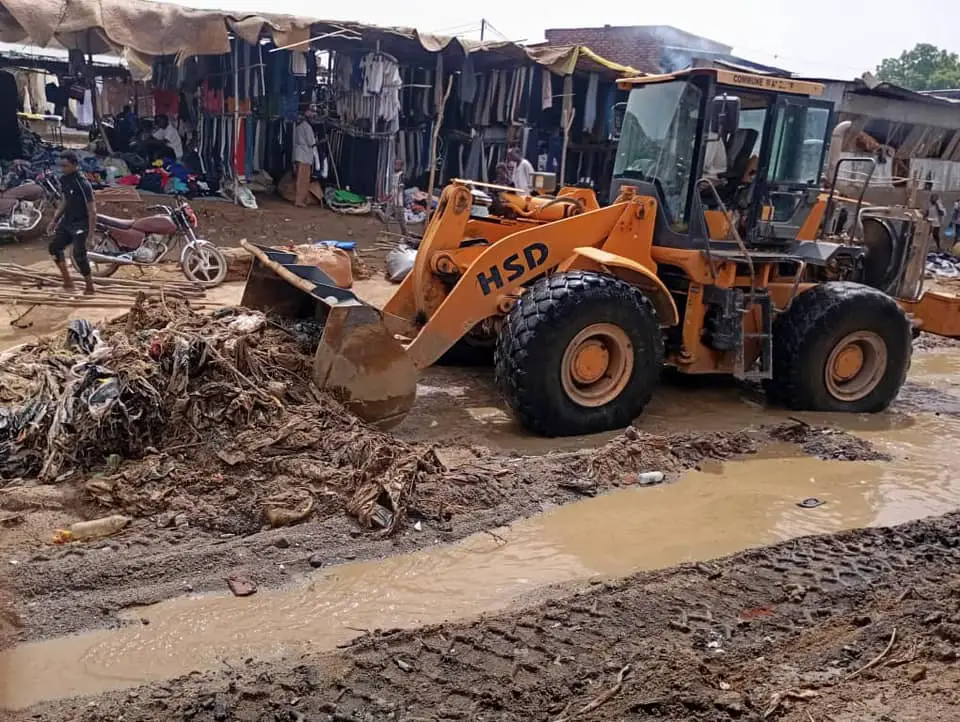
{"points": [[943, 265], [213, 420], [156, 410]]}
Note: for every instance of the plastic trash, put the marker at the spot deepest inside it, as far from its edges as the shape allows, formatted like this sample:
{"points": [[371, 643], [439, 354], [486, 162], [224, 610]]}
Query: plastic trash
{"points": [[105, 394], [92, 530], [649, 478], [83, 336], [399, 263], [342, 245], [247, 322]]}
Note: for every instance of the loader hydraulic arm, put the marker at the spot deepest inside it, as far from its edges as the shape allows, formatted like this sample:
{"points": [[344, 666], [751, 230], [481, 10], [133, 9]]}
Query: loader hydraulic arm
{"points": [[497, 276]]}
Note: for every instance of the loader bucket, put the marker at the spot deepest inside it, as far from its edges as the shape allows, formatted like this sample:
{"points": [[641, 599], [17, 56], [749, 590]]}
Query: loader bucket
{"points": [[358, 360]]}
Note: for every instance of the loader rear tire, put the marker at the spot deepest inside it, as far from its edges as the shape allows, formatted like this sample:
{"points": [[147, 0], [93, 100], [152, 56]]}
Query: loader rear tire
{"points": [[840, 347], [579, 353]]}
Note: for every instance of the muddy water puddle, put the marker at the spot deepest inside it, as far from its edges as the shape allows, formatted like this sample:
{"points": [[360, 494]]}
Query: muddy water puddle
{"points": [[718, 510]]}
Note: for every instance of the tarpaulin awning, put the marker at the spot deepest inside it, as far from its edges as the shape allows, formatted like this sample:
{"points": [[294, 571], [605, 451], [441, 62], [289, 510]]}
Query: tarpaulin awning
{"points": [[139, 30], [146, 28]]}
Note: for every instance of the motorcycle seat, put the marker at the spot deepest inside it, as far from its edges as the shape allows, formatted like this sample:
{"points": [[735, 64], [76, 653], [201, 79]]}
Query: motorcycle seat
{"points": [[25, 192], [113, 222]]}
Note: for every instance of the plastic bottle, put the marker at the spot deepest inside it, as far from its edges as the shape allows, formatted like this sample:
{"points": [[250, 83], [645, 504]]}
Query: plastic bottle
{"points": [[648, 478], [93, 529]]}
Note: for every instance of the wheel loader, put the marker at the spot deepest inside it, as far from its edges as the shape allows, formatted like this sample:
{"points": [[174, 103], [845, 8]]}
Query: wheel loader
{"points": [[712, 257]]}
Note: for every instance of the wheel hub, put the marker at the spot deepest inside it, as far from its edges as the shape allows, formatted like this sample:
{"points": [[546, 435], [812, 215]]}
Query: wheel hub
{"points": [[856, 366], [590, 362], [597, 365], [849, 362]]}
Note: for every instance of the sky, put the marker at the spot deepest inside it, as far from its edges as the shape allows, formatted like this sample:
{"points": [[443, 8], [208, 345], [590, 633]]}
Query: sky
{"points": [[817, 38]]}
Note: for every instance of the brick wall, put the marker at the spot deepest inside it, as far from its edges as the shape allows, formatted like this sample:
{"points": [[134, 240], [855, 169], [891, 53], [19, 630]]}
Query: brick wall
{"points": [[644, 47]]}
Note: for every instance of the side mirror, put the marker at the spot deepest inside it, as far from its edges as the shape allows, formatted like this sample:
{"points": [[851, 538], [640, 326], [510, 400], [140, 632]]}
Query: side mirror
{"points": [[619, 112], [725, 115]]}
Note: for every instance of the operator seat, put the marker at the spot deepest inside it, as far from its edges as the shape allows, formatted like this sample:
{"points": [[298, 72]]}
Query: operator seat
{"points": [[739, 152]]}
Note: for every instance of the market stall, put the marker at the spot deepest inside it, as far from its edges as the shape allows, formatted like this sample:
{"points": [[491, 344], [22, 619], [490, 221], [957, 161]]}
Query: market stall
{"points": [[232, 87]]}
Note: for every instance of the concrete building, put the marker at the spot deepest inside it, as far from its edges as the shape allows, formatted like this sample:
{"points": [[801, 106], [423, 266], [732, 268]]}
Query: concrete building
{"points": [[648, 48]]}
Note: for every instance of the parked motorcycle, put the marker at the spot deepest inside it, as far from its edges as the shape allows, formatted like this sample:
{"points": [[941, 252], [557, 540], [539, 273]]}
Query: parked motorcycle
{"points": [[147, 241], [22, 207]]}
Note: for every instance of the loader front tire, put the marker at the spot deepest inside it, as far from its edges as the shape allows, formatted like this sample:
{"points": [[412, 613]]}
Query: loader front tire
{"points": [[579, 353], [840, 347]]}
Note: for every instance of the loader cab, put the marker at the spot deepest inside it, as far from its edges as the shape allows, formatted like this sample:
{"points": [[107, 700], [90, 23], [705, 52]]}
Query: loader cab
{"points": [[760, 142]]}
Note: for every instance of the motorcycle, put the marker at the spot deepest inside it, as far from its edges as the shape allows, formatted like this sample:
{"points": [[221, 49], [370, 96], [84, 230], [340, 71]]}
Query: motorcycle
{"points": [[147, 241], [22, 207]]}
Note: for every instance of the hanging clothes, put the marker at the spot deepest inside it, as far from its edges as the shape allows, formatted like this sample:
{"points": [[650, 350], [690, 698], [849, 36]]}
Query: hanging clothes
{"points": [[85, 110], [546, 92], [590, 103], [468, 80], [480, 101], [298, 64], [10, 147]]}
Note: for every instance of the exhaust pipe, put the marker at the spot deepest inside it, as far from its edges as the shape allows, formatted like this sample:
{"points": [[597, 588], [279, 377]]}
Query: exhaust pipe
{"points": [[124, 260]]}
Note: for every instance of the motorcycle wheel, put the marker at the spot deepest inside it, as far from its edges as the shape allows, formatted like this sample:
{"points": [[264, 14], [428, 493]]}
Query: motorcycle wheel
{"points": [[102, 243], [204, 265]]}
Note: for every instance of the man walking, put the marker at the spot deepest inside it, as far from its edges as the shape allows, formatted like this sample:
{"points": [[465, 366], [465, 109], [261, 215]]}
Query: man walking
{"points": [[304, 147], [395, 205], [74, 222]]}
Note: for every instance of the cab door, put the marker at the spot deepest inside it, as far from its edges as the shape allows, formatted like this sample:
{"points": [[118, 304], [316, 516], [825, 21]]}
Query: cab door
{"points": [[799, 134]]}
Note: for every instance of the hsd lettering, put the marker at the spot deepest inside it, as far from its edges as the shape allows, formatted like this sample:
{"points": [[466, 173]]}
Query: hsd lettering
{"points": [[513, 267]]}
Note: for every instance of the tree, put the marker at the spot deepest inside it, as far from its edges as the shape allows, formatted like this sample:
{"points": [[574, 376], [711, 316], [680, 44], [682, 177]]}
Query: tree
{"points": [[926, 67]]}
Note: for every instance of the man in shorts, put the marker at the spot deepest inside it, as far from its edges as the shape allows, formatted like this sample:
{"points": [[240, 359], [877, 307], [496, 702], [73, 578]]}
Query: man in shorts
{"points": [[74, 222]]}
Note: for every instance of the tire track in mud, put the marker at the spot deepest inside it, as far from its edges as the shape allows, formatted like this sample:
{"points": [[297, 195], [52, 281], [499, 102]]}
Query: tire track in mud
{"points": [[854, 625]]}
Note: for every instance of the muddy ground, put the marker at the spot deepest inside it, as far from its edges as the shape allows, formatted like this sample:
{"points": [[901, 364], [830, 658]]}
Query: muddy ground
{"points": [[180, 545], [276, 222], [860, 625]]}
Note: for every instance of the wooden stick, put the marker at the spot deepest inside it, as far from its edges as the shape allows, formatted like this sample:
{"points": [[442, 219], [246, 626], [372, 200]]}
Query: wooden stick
{"points": [[433, 147], [29, 292], [10, 269], [873, 662], [568, 113]]}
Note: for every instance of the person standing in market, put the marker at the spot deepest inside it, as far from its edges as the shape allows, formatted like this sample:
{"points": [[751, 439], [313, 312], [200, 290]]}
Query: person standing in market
{"points": [[74, 222], [955, 220], [395, 205], [304, 149], [522, 171], [169, 135], [503, 178], [935, 214]]}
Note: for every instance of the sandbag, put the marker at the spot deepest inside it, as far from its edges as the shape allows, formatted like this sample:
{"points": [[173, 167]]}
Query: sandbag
{"points": [[332, 261], [399, 263], [287, 188]]}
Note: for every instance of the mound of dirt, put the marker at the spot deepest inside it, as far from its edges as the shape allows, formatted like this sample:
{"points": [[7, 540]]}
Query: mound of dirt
{"points": [[852, 626], [163, 402], [930, 342], [826, 443]]}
